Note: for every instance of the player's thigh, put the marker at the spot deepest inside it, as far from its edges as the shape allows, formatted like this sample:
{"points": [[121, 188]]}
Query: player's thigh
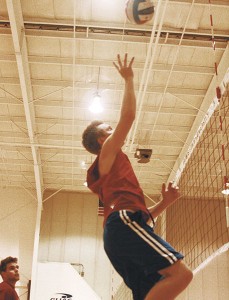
{"points": [[179, 268]]}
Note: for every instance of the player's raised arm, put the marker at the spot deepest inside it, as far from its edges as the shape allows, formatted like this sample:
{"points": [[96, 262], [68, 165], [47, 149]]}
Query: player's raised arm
{"points": [[112, 141]]}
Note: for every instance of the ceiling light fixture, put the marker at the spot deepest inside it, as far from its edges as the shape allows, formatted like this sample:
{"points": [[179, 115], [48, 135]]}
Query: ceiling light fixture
{"points": [[226, 190], [96, 106]]}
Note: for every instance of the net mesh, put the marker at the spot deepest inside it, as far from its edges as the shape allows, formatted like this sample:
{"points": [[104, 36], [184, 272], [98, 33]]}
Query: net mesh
{"points": [[196, 224]]}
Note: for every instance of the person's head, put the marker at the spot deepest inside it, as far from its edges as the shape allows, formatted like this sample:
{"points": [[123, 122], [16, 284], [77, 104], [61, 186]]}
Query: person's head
{"points": [[9, 270], [94, 136]]}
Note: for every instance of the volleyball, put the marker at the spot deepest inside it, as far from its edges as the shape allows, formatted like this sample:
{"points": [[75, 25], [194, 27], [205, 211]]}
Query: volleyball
{"points": [[139, 11]]}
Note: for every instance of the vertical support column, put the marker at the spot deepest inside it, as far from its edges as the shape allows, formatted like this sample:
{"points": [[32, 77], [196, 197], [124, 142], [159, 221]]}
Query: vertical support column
{"points": [[35, 253]]}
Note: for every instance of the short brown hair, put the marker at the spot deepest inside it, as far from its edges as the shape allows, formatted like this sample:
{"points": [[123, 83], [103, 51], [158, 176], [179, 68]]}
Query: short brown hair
{"points": [[90, 137], [6, 261]]}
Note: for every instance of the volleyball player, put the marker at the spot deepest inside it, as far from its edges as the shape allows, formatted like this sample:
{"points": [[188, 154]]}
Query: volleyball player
{"points": [[10, 275], [150, 267]]}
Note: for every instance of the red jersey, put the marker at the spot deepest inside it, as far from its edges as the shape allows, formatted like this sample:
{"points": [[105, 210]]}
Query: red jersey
{"points": [[7, 292], [119, 189]]}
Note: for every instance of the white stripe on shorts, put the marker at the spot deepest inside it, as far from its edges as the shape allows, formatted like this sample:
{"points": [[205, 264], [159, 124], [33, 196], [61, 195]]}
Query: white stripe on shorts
{"points": [[147, 237]]}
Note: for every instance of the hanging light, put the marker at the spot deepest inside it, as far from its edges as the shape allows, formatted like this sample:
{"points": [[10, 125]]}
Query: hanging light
{"points": [[96, 106], [226, 190]]}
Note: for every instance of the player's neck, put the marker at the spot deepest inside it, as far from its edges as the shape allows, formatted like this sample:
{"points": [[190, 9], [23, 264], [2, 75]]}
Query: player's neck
{"points": [[11, 283]]}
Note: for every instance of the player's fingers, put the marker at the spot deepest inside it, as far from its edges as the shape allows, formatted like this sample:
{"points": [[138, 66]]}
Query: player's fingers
{"points": [[163, 188], [119, 61], [125, 60], [175, 189], [170, 185], [131, 62], [116, 66]]}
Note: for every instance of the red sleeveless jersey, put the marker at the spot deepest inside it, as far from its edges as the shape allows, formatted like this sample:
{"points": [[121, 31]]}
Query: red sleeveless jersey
{"points": [[7, 292], [119, 189]]}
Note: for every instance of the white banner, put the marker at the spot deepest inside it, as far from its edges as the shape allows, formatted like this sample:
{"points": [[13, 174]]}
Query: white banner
{"points": [[58, 281]]}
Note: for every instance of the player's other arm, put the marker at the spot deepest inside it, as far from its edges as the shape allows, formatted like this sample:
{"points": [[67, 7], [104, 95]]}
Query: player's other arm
{"points": [[169, 196]]}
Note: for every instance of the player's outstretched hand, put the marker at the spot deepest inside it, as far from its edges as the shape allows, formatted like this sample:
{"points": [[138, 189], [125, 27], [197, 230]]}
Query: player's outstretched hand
{"points": [[124, 69], [171, 194]]}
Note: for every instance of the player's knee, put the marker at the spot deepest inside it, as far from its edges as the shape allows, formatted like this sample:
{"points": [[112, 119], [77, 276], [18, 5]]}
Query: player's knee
{"points": [[184, 275], [188, 275], [178, 270], [185, 272]]}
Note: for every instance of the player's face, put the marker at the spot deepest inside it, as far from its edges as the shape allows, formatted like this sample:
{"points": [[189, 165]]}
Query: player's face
{"points": [[106, 129], [12, 272]]}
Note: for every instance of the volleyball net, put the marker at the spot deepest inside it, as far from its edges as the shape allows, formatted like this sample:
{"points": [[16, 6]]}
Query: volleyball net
{"points": [[196, 225]]}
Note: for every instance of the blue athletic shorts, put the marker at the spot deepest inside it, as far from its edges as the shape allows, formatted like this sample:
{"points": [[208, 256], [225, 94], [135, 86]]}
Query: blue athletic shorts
{"points": [[136, 252]]}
